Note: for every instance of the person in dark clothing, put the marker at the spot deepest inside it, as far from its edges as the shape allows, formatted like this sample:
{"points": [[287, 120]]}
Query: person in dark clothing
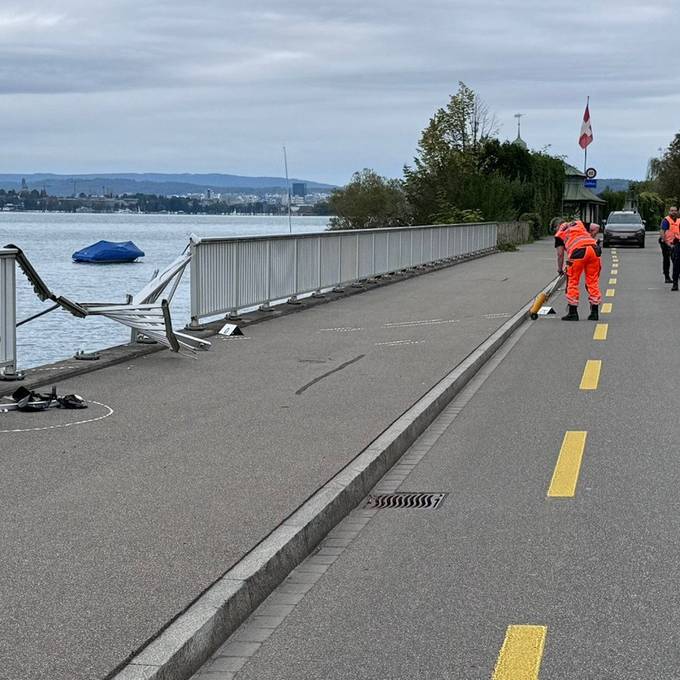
{"points": [[668, 229]]}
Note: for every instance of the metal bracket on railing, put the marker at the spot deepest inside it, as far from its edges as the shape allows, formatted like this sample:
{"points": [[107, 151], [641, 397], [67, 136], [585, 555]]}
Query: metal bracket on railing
{"points": [[9, 374]]}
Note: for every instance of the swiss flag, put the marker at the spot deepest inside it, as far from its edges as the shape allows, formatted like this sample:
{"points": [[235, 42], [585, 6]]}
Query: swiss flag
{"points": [[586, 129]]}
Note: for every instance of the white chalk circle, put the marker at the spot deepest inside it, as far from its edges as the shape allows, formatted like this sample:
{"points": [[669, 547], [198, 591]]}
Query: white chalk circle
{"points": [[49, 414]]}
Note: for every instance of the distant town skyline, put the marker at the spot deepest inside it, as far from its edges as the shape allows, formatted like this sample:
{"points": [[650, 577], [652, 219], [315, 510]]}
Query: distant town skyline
{"points": [[150, 86]]}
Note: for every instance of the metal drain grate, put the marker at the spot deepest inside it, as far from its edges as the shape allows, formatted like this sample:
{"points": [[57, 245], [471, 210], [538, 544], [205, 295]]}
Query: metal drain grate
{"points": [[421, 500]]}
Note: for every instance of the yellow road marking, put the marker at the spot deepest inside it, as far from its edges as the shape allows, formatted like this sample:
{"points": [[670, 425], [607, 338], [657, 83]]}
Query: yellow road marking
{"points": [[565, 476], [612, 282], [591, 374], [521, 654], [601, 331], [607, 308], [610, 292]]}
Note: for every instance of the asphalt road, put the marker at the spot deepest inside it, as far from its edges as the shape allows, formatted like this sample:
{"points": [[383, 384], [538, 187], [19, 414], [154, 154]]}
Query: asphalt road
{"points": [[110, 528], [571, 570]]}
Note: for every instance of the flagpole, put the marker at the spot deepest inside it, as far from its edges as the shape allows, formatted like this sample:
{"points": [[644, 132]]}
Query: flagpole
{"points": [[585, 151]]}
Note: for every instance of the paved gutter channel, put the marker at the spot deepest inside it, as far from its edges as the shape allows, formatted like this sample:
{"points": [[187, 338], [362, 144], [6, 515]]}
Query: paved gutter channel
{"points": [[188, 642], [71, 368]]}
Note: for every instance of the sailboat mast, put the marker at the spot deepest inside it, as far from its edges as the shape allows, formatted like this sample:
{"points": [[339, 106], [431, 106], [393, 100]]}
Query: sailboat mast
{"points": [[285, 163]]}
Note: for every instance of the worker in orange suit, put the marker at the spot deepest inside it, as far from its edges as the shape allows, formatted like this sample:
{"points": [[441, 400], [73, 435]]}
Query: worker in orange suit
{"points": [[583, 257]]}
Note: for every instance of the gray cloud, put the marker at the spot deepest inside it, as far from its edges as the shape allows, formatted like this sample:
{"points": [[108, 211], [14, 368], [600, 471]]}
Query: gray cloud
{"points": [[150, 85]]}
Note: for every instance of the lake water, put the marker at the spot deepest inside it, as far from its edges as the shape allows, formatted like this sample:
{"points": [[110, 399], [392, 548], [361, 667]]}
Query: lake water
{"points": [[49, 239]]}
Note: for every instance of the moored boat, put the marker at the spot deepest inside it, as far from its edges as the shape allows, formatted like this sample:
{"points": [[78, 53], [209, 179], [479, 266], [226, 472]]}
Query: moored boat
{"points": [[108, 252]]}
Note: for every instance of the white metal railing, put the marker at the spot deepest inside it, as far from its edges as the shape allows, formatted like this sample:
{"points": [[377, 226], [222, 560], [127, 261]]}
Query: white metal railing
{"points": [[228, 274], [8, 333]]}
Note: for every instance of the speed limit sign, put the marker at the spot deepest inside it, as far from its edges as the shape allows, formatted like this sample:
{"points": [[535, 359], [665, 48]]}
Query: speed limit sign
{"points": [[591, 173]]}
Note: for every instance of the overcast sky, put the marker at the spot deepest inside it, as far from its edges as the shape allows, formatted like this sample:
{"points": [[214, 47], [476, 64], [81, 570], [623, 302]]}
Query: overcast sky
{"points": [[220, 85]]}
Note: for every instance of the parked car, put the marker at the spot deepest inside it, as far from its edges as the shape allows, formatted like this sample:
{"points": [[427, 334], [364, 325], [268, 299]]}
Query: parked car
{"points": [[624, 226]]}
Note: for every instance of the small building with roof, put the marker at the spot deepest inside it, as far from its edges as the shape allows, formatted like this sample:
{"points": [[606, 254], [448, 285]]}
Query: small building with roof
{"points": [[578, 201]]}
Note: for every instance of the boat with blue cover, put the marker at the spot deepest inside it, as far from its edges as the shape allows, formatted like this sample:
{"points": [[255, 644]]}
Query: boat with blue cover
{"points": [[108, 252]]}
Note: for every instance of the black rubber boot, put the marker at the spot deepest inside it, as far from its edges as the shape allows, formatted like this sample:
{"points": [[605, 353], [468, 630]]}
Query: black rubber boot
{"points": [[594, 313], [572, 314], [674, 286]]}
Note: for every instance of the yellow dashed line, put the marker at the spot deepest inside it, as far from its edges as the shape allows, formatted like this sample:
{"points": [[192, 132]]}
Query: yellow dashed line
{"points": [[521, 654], [607, 308], [612, 282], [610, 292], [565, 476], [601, 331], [591, 374]]}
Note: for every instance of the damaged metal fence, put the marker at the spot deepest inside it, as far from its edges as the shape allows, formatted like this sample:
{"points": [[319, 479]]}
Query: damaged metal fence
{"points": [[7, 310], [228, 274]]}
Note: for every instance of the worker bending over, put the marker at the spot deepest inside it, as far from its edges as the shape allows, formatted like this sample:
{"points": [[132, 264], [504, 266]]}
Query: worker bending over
{"points": [[583, 256]]}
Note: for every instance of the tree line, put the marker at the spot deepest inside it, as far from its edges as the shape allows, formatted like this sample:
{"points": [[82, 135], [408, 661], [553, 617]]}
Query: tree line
{"points": [[462, 172]]}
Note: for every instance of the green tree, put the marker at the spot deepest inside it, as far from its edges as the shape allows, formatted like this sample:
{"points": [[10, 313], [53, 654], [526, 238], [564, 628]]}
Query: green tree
{"points": [[616, 200], [651, 208], [370, 201], [664, 172], [461, 167]]}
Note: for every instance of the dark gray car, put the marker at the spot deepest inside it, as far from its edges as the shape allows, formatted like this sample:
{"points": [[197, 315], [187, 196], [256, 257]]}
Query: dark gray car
{"points": [[624, 227]]}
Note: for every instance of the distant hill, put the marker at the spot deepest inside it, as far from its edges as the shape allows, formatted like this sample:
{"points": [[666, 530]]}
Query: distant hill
{"points": [[613, 184], [151, 183]]}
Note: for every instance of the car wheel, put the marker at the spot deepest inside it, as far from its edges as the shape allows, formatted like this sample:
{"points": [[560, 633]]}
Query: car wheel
{"points": [[642, 244], [605, 244]]}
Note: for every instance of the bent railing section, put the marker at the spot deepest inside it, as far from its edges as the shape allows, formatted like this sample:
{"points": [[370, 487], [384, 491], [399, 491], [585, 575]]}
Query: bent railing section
{"points": [[7, 309], [228, 274]]}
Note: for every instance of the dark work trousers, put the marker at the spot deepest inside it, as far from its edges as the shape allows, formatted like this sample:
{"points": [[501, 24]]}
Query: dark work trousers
{"points": [[675, 256], [666, 254]]}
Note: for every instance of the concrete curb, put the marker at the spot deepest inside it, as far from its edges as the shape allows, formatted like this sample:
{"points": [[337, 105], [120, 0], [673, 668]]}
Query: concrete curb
{"points": [[71, 368], [180, 650]]}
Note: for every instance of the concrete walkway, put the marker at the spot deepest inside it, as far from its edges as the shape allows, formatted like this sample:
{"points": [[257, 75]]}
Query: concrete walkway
{"points": [[111, 527], [569, 564]]}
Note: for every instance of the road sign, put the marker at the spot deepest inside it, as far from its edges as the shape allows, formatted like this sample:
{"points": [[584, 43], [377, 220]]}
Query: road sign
{"points": [[591, 173], [590, 184]]}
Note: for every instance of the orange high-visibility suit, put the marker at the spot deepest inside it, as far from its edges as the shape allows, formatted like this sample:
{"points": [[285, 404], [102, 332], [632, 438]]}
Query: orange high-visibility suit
{"points": [[582, 257]]}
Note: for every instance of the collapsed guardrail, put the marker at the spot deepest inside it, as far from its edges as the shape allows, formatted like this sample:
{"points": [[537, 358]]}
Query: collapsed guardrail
{"points": [[7, 311], [145, 313]]}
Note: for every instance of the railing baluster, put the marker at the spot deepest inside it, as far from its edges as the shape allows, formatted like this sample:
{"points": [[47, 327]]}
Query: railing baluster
{"points": [[218, 264]]}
